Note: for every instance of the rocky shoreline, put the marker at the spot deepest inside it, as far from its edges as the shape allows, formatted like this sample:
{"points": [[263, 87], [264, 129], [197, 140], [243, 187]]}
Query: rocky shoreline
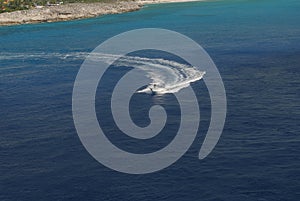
{"points": [[74, 11], [67, 12]]}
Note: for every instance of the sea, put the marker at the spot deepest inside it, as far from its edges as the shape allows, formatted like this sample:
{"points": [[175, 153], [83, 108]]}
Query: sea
{"points": [[256, 48]]}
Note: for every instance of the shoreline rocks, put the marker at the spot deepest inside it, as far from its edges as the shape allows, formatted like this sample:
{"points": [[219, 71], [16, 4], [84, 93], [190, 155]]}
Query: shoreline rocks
{"points": [[67, 12], [75, 11]]}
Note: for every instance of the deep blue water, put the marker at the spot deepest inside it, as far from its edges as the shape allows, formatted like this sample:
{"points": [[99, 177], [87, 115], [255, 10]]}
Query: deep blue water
{"points": [[256, 47]]}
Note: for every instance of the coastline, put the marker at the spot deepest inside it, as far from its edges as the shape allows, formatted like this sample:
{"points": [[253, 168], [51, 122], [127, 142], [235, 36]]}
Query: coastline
{"points": [[74, 11], [144, 2]]}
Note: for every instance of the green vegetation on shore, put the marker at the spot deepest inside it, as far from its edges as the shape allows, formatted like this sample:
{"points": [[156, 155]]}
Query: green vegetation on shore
{"points": [[13, 5]]}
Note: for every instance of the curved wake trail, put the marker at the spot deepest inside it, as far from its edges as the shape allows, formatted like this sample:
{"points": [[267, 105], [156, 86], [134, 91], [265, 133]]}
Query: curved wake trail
{"points": [[166, 76]]}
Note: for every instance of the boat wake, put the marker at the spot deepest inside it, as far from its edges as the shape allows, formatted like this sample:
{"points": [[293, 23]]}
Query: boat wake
{"points": [[166, 76]]}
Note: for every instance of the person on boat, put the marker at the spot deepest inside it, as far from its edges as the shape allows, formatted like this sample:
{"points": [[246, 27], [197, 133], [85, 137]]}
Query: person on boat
{"points": [[153, 92]]}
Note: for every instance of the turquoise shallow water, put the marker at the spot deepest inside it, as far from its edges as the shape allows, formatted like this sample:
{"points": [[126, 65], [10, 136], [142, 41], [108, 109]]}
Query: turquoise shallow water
{"points": [[255, 45]]}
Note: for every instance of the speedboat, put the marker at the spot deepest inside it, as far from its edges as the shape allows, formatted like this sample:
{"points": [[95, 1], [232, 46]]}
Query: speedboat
{"points": [[152, 89]]}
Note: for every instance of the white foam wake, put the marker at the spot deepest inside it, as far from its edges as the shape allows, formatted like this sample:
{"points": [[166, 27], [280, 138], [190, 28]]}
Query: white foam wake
{"points": [[166, 76]]}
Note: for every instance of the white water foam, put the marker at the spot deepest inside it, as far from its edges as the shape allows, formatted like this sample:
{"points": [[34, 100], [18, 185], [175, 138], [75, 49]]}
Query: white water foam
{"points": [[166, 76]]}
